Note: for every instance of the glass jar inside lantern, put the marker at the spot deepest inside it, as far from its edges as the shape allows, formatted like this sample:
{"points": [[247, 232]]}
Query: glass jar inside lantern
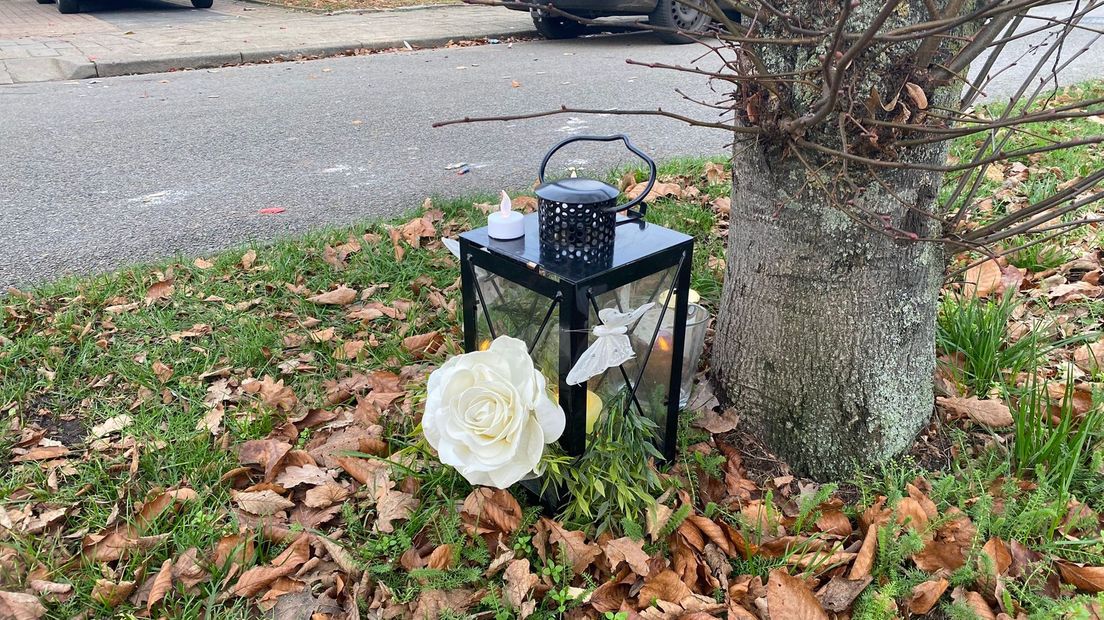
{"points": [[697, 321]]}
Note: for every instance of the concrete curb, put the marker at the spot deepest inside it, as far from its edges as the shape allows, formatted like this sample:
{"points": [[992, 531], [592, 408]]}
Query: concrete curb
{"points": [[175, 62], [22, 70], [161, 64]]}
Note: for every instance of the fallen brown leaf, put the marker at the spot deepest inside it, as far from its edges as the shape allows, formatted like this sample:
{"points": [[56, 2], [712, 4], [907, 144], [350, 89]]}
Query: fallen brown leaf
{"points": [[999, 555], [234, 548], [789, 597], [580, 554], [1085, 578], [659, 190], [20, 606], [493, 514], [340, 296], [519, 583], [267, 453], [440, 558], [990, 413], [911, 514], [111, 594], [715, 173], [113, 424], [272, 392], [718, 423], [41, 453], [421, 345], [261, 503], [975, 602], [916, 93], [664, 586], [864, 561], [159, 503], [722, 205], [431, 603], [839, 593], [160, 290], [395, 245], [982, 280], [629, 551], [925, 595], [197, 330], [308, 474], [256, 579], [949, 547], [393, 506], [1090, 356], [525, 204], [162, 584]]}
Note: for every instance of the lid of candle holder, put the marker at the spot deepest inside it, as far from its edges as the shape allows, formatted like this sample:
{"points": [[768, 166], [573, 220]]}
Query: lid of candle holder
{"points": [[582, 191], [578, 217]]}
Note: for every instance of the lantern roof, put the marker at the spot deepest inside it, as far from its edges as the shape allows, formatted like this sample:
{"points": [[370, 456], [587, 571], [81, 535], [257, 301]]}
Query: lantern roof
{"points": [[635, 243]]}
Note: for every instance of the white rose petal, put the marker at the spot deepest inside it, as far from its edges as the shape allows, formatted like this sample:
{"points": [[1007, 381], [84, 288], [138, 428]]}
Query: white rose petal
{"points": [[488, 414]]}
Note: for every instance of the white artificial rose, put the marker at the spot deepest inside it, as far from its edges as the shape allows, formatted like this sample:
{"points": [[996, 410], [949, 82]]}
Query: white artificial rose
{"points": [[488, 414]]}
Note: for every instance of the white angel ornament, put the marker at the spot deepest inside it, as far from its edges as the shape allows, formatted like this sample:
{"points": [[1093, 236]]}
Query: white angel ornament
{"points": [[611, 346]]}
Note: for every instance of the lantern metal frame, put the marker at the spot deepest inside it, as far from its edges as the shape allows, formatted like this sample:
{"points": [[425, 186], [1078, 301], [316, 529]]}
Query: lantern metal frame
{"points": [[641, 249]]}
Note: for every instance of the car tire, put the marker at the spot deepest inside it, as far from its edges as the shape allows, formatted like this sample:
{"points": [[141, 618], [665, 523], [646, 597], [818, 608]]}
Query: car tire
{"points": [[68, 6], [202, 4], [674, 14], [45, 1], [555, 26]]}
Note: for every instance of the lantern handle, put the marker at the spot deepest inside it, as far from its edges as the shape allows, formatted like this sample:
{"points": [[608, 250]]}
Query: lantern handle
{"points": [[633, 215]]}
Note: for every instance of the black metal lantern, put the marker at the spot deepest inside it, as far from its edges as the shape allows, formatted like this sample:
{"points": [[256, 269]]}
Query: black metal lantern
{"points": [[578, 257]]}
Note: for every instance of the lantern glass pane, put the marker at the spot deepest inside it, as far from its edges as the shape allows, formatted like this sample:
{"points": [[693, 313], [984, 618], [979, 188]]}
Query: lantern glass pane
{"points": [[518, 312], [649, 371]]}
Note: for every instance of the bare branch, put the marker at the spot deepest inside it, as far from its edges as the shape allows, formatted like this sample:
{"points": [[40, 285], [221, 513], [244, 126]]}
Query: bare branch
{"points": [[611, 112]]}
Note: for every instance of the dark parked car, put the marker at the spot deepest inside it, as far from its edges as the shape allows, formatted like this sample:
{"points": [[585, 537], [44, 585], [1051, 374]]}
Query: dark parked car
{"points": [[662, 13], [73, 6]]}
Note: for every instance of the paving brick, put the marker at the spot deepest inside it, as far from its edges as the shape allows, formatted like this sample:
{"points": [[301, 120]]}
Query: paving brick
{"points": [[42, 52]]}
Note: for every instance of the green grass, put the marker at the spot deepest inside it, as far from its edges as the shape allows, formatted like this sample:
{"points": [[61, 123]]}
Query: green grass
{"points": [[974, 332], [1055, 451], [66, 364], [1000, 505], [1060, 166]]}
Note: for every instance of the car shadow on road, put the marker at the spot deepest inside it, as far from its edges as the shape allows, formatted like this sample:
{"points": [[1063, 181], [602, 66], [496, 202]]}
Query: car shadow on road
{"points": [[616, 34]]}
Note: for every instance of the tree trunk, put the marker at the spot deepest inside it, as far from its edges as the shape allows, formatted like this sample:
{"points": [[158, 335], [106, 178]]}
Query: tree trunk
{"points": [[825, 340]]}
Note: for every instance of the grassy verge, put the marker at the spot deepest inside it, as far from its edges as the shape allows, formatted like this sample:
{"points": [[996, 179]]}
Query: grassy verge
{"points": [[216, 438]]}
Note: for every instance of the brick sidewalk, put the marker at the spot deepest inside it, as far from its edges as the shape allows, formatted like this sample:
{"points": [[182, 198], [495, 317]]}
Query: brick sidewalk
{"points": [[117, 37]]}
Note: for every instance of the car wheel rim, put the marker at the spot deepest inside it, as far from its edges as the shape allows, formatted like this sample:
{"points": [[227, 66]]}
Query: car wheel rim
{"points": [[686, 17]]}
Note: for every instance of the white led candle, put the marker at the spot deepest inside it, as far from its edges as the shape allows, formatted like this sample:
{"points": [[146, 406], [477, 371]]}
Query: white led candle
{"points": [[506, 223]]}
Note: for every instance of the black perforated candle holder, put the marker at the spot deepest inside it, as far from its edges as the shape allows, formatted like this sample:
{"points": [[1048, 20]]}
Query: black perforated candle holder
{"points": [[577, 232], [578, 217]]}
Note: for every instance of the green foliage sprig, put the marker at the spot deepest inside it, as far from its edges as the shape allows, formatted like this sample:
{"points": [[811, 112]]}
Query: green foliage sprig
{"points": [[615, 480]]}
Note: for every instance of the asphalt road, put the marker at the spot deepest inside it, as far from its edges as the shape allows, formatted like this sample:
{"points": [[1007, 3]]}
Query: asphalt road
{"points": [[102, 173]]}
